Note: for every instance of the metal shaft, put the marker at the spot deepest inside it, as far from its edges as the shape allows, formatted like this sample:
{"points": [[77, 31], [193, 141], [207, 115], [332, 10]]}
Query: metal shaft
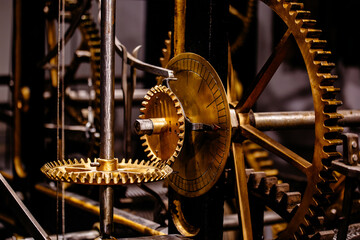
{"points": [[107, 87], [294, 120]]}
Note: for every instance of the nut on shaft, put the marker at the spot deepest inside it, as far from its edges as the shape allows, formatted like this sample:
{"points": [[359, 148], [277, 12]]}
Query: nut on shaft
{"points": [[150, 126]]}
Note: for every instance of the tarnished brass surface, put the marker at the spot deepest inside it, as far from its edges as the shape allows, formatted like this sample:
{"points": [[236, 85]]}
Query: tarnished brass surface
{"points": [[165, 142], [179, 26], [327, 132], [204, 154], [93, 207], [242, 191], [83, 172], [180, 222]]}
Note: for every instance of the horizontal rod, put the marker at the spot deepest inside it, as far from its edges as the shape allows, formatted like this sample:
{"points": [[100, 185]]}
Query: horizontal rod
{"points": [[302, 119]]}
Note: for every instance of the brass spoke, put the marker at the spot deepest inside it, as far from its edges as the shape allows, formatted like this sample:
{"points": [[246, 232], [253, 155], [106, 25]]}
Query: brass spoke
{"points": [[264, 76], [273, 146]]}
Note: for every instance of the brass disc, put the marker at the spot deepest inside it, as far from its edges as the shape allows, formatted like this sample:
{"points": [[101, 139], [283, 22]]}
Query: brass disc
{"points": [[203, 156]]}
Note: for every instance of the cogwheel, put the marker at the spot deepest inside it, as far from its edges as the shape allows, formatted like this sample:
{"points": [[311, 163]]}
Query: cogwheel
{"points": [[163, 108], [308, 214], [84, 172]]}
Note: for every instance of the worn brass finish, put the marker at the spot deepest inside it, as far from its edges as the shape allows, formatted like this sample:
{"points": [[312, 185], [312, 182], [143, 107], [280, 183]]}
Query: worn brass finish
{"points": [[204, 154], [242, 191], [160, 125], [179, 26], [180, 222], [82, 172], [327, 137], [107, 164], [163, 108], [94, 209]]}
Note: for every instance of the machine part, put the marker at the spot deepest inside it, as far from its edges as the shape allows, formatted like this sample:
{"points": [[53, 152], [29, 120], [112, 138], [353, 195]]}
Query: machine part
{"points": [[87, 172], [203, 98], [327, 133], [107, 106], [242, 191], [350, 168], [122, 217], [25, 217], [89, 52], [180, 222], [92, 39], [164, 125], [246, 19], [166, 51], [258, 158], [134, 62], [179, 26]]}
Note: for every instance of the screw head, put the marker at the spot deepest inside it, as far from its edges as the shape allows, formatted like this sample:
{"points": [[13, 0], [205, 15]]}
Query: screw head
{"points": [[354, 144], [354, 157]]}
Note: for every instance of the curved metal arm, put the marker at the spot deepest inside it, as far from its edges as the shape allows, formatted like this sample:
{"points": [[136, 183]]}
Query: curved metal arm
{"points": [[138, 64]]}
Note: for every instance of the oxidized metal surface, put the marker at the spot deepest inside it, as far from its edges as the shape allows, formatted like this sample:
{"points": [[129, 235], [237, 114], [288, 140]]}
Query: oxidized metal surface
{"points": [[82, 172], [166, 140], [202, 96], [318, 66]]}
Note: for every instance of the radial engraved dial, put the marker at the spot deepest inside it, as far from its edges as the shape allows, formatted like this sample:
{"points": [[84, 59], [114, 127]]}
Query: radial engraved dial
{"points": [[204, 153]]}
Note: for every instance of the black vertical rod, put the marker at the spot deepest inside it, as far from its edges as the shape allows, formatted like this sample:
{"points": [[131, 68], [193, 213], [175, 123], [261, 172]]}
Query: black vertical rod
{"points": [[107, 86]]}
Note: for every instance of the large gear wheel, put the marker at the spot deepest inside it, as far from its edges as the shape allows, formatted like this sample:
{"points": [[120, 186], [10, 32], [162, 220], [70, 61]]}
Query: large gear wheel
{"points": [[306, 216], [84, 172], [162, 107]]}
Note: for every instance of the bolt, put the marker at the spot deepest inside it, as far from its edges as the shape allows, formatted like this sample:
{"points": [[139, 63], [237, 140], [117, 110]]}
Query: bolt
{"points": [[354, 157], [354, 144], [95, 164]]}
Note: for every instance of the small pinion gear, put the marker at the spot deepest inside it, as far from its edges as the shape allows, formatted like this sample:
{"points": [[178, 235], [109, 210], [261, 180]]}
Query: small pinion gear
{"points": [[84, 172], [161, 103]]}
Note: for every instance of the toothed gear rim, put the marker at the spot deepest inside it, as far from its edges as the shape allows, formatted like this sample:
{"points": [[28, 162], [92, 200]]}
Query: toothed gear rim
{"points": [[325, 104], [160, 102], [81, 172], [91, 36]]}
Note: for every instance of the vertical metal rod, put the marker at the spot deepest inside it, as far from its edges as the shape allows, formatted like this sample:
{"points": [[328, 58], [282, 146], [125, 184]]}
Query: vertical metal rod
{"points": [[107, 87]]}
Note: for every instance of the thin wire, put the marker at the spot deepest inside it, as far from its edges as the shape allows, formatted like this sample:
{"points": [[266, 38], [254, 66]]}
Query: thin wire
{"points": [[63, 112], [58, 121], [60, 137]]}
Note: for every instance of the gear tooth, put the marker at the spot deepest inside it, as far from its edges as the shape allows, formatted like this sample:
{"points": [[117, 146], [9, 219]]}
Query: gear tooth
{"points": [[308, 23], [142, 116], [302, 14], [108, 176], [156, 89], [147, 98], [151, 92], [293, 6], [143, 137], [91, 178], [144, 103]]}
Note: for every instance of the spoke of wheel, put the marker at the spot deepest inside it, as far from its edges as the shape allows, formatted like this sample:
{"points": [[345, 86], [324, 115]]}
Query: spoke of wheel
{"points": [[264, 76], [273, 146], [241, 184]]}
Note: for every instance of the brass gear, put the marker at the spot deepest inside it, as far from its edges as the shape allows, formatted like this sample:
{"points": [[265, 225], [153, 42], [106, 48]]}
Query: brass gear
{"points": [[84, 172], [305, 217], [161, 103]]}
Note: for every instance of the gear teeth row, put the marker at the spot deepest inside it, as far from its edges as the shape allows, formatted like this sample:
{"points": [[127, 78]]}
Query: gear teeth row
{"points": [[275, 195], [81, 172], [303, 28], [146, 112], [91, 37], [258, 158]]}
